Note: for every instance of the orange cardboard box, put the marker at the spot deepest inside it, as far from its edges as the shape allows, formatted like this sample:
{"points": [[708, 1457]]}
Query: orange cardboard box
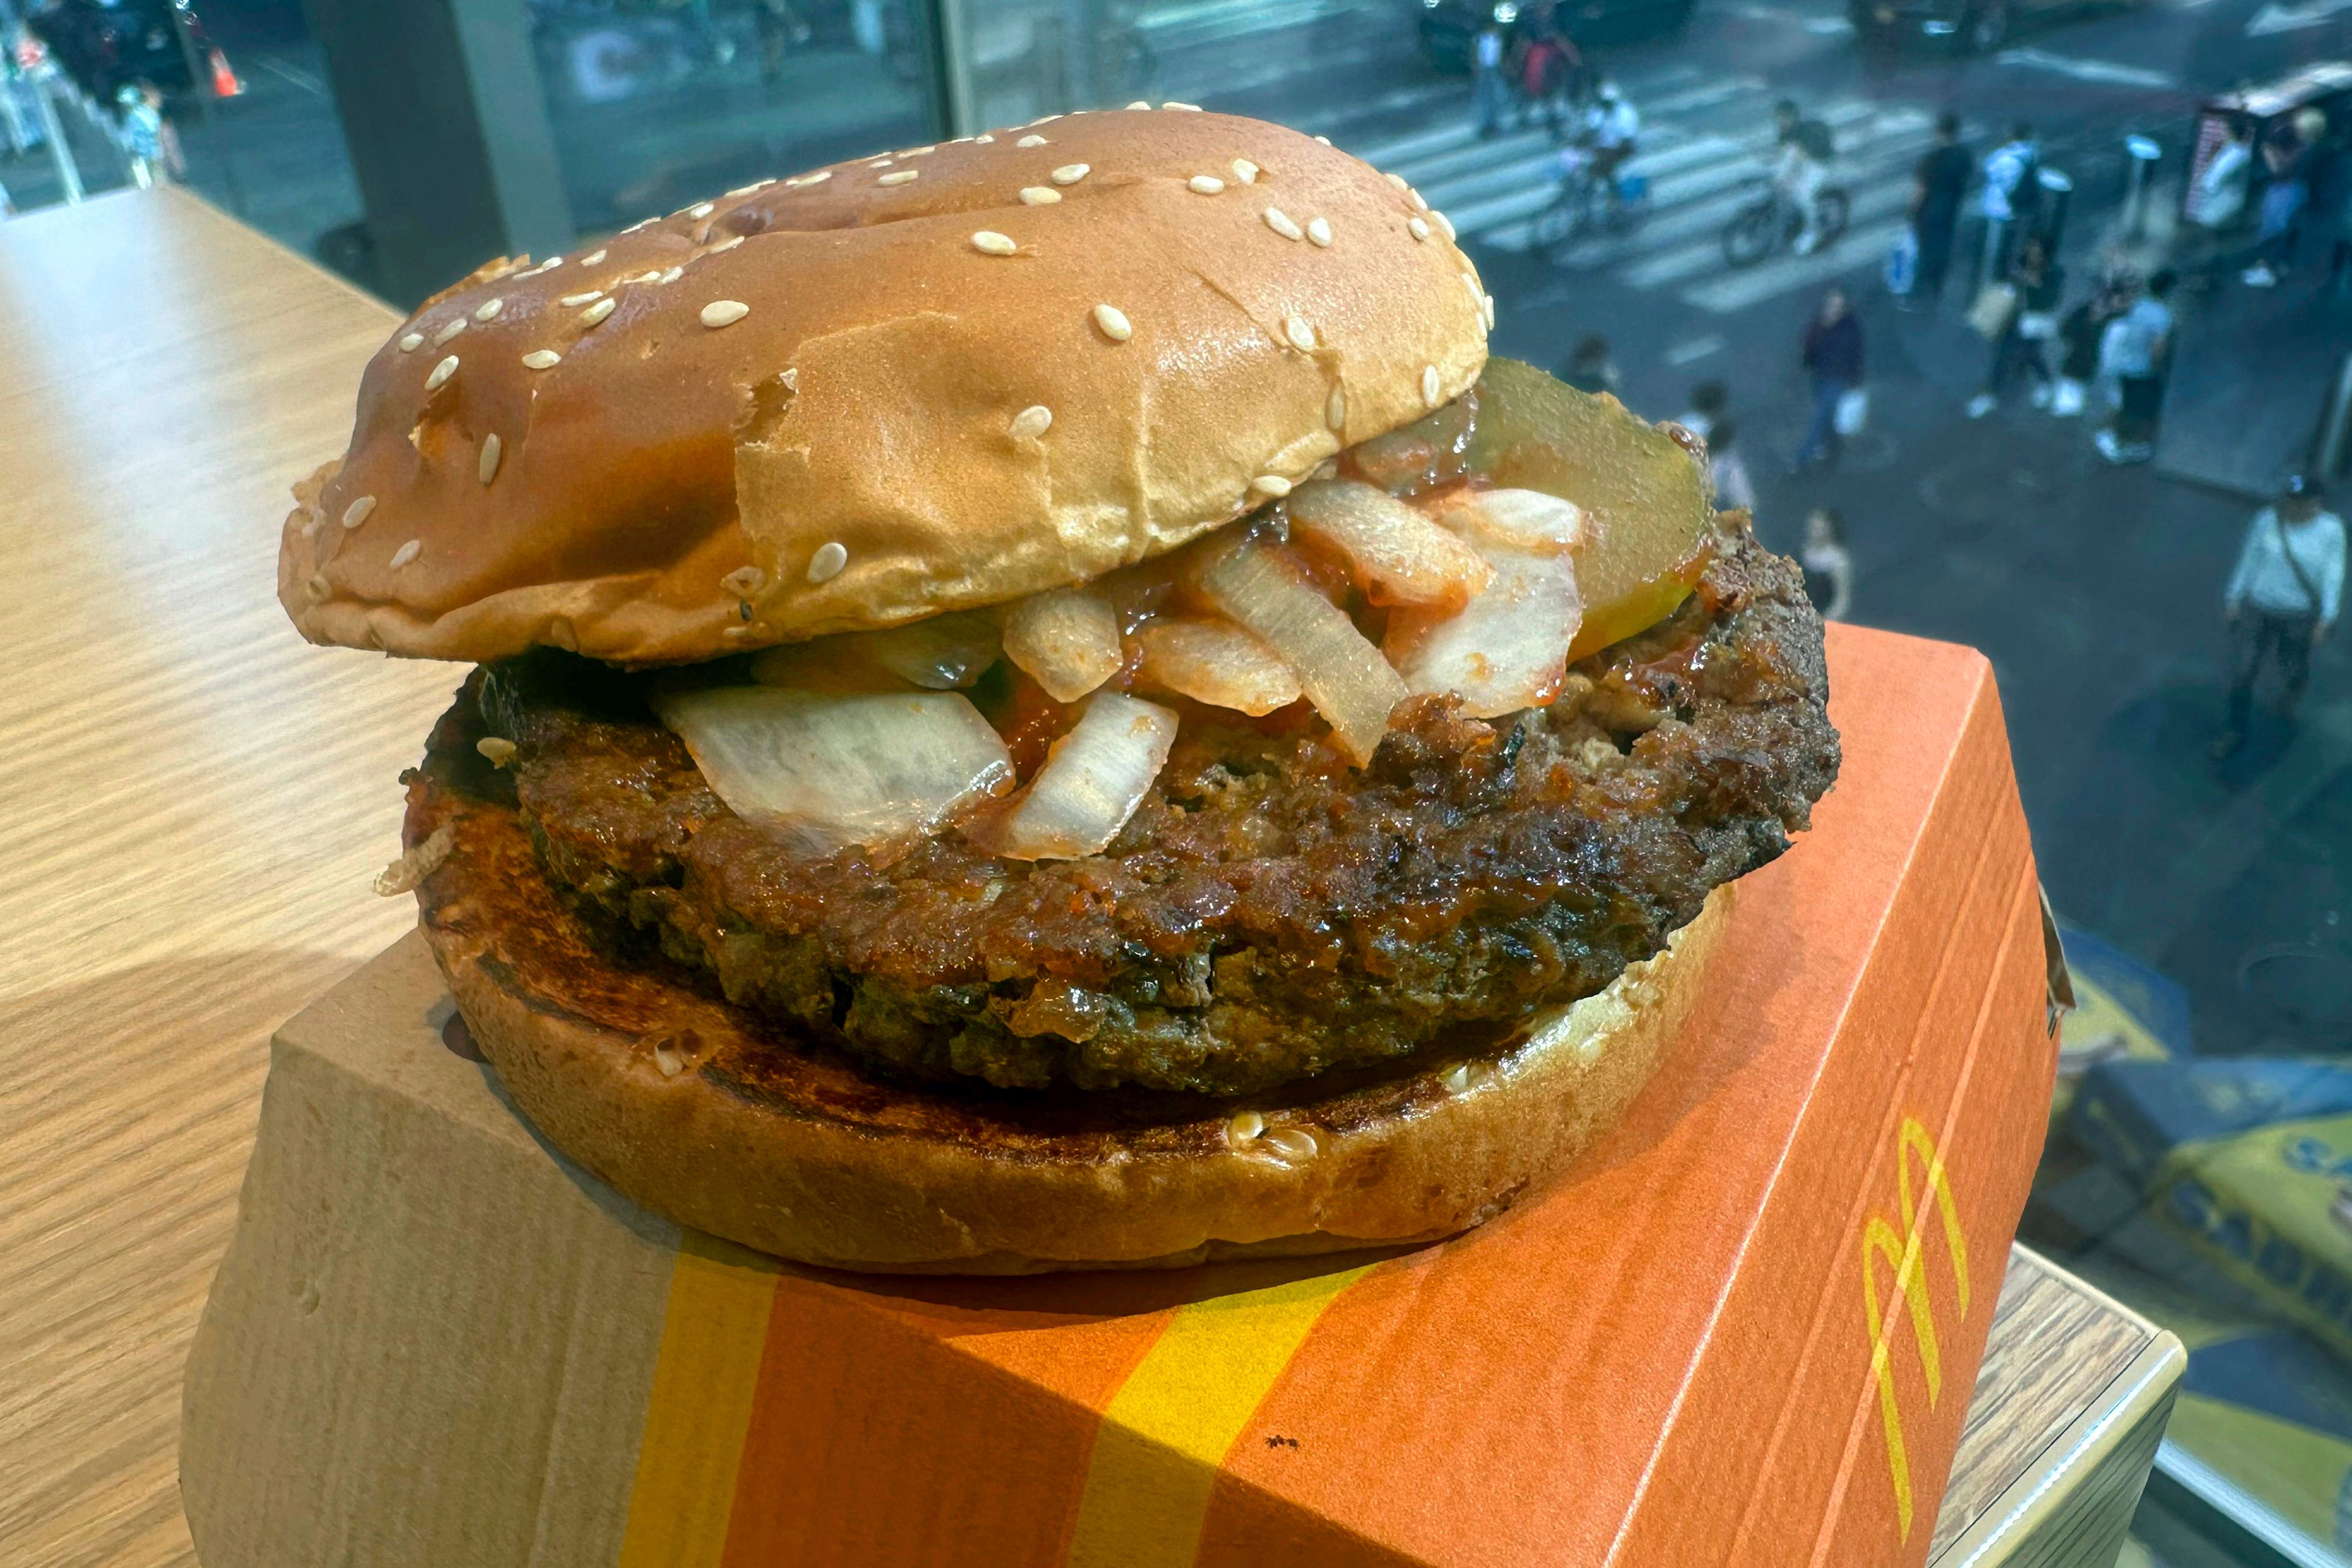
{"points": [[1743, 1331]]}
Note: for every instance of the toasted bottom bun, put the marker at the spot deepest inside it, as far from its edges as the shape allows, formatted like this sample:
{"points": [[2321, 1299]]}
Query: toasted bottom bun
{"points": [[697, 1110]]}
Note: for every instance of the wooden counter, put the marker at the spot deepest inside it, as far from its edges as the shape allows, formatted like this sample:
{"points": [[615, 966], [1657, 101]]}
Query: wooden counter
{"points": [[195, 801]]}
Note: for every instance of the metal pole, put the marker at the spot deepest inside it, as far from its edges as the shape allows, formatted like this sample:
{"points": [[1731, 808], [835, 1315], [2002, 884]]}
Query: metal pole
{"points": [[62, 155], [2331, 444], [2139, 163], [1988, 264], [2057, 195]]}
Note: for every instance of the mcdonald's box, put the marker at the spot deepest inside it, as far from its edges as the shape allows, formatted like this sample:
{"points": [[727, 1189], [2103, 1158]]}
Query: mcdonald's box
{"points": [[1743, 1330]]}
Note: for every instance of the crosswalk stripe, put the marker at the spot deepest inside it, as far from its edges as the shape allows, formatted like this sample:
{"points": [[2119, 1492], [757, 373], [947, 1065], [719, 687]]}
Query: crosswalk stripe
{"points": [[1742, 289]]}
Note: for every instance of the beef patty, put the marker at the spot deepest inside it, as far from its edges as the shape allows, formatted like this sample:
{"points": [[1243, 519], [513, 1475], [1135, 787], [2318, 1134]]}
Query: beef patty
{"points": [[1268, 913]]}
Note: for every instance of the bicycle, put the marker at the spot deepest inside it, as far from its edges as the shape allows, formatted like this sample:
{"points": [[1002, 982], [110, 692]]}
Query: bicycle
{"points": [[1772, 223], [1584, 203]]}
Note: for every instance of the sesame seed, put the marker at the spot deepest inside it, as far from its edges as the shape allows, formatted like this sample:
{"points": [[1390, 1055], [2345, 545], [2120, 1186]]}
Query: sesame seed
{"points": [[902, 177], [982, 137], [820, 178], [747, 190], [1335, 408], [1292, 1143], [702, 209], [488, 468], [450, 329], [1320, 231], [1031, 141], [1244, 171], [1301, 335], [1189, 108], [1487, 310], [497, 750], [406, 553], [724, 245], [1206, 184], [597, 311], [1113, 322], [542, 359], [1279, 221], [411, 342], [653, 277], [1444, 224], [1031, 423], [992, 243], [1420, 230], [1040, 196], [672, 275], [641, 223], [441, 373], [1045, 120], [883, 162], [735, 630], [1244, 1128], [826, 563], [1325, 139], [357, 512], [1398, 181], [571, 300], [1420, 203], [1270, 485], [1071, 173], [1477, 294], [591, 259], [1139, 103], [744, 582], [1429, 388], [918, 151], [724, 312], [488, 311], [1456, 1078]]}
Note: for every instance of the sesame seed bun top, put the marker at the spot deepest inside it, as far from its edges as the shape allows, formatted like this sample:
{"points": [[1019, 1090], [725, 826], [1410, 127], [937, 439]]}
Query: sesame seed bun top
{"points": [[945, 377]]}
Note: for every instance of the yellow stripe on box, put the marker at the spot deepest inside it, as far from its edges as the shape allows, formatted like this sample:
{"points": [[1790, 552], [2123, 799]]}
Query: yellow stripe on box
{"points": [[1166, 1432], [705, 1378]]}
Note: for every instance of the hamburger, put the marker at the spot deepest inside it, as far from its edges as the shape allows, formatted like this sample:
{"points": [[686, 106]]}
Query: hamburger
{"points": [[1039, 702]]}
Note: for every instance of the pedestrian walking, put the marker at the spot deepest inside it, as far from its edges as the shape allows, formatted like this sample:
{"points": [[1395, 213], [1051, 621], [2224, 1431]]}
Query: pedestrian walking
{"points": [[1937, 187], [2135, 349], [2036, 283], [1591, 367], [2080, 335], [2279, 214], [1490, 93], [1734, 491], [2282, 600], [1833, 357], [1827, 565], [1707, 402], [149, 141], [2217, 199], [1544, 70], [2007, 204]]}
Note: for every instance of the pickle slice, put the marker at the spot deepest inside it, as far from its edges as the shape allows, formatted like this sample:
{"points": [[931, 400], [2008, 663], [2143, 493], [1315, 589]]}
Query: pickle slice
{"points": [[1646, 500]]}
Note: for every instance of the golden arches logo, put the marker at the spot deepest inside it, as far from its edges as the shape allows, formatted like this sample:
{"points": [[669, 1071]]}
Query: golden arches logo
{"points": [[1904, 1254]]}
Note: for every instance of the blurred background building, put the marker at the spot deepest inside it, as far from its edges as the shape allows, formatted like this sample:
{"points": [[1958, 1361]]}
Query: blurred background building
{"points": [[2104, 313]]}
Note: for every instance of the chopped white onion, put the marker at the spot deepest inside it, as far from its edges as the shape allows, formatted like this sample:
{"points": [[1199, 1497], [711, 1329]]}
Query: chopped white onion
{"points": [[1342, 673], [1505, 650], [1092, 782], [941, 653], [1066, 640], [1526, 521], [837, 769], [1395, 554], [1214, 662]]}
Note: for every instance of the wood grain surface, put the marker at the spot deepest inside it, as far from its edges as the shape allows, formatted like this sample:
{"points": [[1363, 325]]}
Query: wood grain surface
{"points": [[194, 804]]}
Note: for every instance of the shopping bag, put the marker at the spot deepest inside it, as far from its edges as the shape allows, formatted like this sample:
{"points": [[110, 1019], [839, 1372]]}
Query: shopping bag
{"points": [[1903, 262], [1995, 304], [1853, 410]]}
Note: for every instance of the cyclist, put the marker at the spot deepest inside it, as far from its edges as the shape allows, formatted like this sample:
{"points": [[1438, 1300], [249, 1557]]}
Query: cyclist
{"points": [[1805, 151], [1613, 125]]}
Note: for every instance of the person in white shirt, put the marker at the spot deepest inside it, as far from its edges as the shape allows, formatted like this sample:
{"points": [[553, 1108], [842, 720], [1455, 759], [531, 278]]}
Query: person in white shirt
{"points": [[1828, 565], [1734, 491], [1490, 93], [2007, 201], [2218, 196], [2282, 599]]}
